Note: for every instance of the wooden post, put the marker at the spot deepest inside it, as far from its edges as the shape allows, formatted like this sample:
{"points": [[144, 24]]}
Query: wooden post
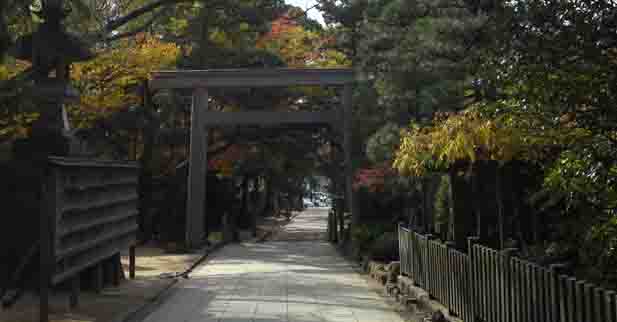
{"points": [[507, 287], [195, 210], [347, 135], [132, 262], [474, 294], [116, 268], [75, 286], [145, 176], [98, 277], [45, 255]]}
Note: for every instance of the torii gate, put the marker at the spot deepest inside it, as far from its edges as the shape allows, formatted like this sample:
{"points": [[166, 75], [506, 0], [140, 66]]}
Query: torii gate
{"points": [[201, 80]]}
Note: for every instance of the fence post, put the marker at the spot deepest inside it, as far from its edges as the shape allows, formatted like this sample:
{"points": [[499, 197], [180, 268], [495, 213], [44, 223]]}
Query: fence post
{"points": [[472, 277], [508, 315], [429, 270], [451, 282], [557, 294]]}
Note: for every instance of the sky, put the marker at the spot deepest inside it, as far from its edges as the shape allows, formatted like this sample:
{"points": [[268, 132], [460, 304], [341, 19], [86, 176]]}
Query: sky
{"points": [[304, 4]]}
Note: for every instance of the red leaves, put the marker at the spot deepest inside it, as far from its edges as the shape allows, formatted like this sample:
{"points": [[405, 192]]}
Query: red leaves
{"points": [[373, 179]]}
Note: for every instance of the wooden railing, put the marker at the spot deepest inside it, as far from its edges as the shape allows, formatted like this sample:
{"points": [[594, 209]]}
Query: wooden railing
{"points": [[493, 286]]}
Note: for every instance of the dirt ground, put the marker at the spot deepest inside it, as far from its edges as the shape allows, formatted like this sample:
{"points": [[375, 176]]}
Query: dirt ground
{"points": [[112, 303]]}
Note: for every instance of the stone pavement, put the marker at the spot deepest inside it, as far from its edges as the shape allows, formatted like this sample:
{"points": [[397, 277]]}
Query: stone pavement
{"points": [[297, 277]]}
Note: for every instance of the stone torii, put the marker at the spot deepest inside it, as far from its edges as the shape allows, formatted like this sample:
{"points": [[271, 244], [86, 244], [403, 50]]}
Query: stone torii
{"points": [[202, 80]]}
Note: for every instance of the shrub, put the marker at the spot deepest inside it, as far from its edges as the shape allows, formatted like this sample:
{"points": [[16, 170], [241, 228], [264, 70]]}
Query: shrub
{"points": [[385, 247]]}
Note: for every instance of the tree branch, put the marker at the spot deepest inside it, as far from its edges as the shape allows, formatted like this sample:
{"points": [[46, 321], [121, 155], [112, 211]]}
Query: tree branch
{"points": [[141, 28], [119, 22]]}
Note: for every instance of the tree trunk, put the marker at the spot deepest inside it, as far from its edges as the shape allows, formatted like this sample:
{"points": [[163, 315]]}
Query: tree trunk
{"points": [[500, 204], [145, 176], [463, 219]]}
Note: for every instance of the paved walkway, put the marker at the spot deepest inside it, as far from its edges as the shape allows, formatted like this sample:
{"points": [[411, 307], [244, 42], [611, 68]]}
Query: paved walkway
{"points": [[298, 277]]}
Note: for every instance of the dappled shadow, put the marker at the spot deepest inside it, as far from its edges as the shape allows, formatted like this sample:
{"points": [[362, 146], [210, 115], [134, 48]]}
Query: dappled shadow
{"points": [[275, 281]]}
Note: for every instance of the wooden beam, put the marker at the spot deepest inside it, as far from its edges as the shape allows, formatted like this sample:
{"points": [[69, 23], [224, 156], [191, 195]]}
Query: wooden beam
{"points": [[274, 77], [269, 118], [196, 188]]}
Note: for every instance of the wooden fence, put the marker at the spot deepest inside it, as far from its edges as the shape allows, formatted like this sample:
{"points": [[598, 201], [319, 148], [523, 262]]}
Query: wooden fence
{"points": [[493, 286]]}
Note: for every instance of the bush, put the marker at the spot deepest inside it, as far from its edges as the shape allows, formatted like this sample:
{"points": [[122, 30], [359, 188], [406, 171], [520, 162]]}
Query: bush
{"points": [[385, 248], [363, 236]]}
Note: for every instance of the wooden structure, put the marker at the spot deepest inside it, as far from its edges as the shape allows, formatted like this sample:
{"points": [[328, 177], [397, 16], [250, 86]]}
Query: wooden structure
{"points": [[201, 80], [88, 216], [488, 285]]}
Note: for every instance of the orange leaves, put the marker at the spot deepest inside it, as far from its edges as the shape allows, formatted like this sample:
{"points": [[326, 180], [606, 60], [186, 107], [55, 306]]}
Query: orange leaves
{"points": [[299, 47]]}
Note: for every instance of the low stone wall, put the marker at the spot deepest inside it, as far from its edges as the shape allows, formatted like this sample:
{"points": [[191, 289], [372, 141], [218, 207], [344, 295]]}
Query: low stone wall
{"points": [[402, 288]]}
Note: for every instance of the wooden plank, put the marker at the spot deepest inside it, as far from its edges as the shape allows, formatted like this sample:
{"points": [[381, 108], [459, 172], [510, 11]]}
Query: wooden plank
{"points": [[456, 272], [507, 271], [541, 289], [562, 295], [599, 308], [98, 222], [552, 296], [571, 304], [133, 181], [514, 286], [486, 288], [501, 286], [528, 292], [91, 163], [481, 294], [534, 293], [196, 191], [432, 269], [428, 269], [450, 271], [467, 289], [589, 309], [250, 78], [93, 242], [579, 299], [472, 279], [213, 118], [494, 285], [609, 306]]}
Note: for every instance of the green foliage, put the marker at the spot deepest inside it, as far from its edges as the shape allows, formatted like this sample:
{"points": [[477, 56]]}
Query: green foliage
{"points": [[385, 247], [382, 145], [363, 236]]}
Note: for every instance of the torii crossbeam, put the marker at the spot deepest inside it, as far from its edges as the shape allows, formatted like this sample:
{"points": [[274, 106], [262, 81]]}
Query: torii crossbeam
{"points": [[201, 80]]}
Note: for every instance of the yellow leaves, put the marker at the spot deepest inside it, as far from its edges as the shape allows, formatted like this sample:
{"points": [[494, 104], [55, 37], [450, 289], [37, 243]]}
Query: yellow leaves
{"points": [[106, 82], [460, 137], [8, 71]]}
